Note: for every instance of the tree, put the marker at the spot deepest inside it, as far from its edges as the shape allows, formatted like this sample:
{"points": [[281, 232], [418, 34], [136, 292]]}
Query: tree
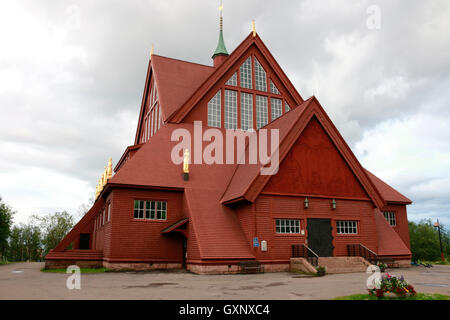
{"points": [[6, 215], [85, 207], [425, 241], [25, 243], [54, 228]]}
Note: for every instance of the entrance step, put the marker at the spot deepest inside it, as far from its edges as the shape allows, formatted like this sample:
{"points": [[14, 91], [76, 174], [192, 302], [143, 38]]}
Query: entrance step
{"points": [[343, 264]]}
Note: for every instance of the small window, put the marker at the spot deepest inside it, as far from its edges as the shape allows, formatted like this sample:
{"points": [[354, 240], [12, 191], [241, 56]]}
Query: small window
{"points": [[390, 217], [246, 73], [346, 227], [232, 81], [230, 114], [287, 226], [260, 77], [214, 111], [275, 105], [150, 210], [246, 111], [109, 211], [262, 114], [286, 107], [273, 88]]}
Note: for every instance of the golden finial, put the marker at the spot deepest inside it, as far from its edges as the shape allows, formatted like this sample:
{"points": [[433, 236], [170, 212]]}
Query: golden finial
{"points": [[96, 191], [100, 184], [152, 50], [253, 28], [186, 161], [104, 177], [109, 172]]}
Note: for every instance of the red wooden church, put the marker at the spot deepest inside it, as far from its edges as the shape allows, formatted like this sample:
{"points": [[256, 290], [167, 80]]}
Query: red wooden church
{"points": [[321, 202]]}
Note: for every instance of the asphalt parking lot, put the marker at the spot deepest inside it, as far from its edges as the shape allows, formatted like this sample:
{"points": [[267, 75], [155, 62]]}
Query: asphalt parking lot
{"points": [[26, 281]]}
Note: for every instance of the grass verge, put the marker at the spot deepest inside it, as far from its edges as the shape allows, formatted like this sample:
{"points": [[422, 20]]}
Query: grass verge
{"points": [[82, 270], [418, 296]]}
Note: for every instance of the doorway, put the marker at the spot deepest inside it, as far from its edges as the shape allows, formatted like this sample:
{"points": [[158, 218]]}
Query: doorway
{"points": [[320, 239], [84, 241]]}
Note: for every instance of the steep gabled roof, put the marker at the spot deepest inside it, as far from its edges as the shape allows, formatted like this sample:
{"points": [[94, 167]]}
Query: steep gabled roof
{"points": [[247, 182], [389, 194], [176, 81], [220, 71]]}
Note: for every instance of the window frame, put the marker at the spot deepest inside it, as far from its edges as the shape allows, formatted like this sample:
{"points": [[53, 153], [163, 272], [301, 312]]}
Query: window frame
{"points": [[347, 227], [290, 226], [147, 211], [390, 216]]}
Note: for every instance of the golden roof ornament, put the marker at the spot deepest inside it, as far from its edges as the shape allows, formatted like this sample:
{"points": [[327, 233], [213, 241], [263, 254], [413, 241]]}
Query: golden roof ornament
{"points": [[186, 161], [109, 171], [253, 28]]}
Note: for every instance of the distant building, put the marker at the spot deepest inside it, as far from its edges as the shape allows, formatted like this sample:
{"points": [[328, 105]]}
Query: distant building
{"points": [[152, 215]]}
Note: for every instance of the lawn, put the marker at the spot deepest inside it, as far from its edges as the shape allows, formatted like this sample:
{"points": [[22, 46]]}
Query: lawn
{"points": [[82, 270], [418, 296]]}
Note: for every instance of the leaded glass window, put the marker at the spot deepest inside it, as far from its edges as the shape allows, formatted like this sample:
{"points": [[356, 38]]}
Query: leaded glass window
{"points": [[262, 115], [246, 73], [230, 109], [233, 80], [260, 77], [286, 106], [246, 111], [273, 88], [214, 111], [276, 106]]}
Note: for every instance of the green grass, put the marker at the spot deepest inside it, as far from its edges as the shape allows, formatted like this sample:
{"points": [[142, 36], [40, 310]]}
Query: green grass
{"points": [[4, 262], [418, 296], [446, 262], [82, 270]]}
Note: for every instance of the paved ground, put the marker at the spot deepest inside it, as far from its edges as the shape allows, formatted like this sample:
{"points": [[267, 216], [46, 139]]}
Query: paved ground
{"points": [[25, 281]]}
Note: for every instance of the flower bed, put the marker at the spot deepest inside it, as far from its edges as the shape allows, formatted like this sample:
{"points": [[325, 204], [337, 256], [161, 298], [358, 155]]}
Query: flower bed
{"points": [[393, 286]]}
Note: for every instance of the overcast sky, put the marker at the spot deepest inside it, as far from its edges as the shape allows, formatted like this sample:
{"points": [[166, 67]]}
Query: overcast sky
{"points": [[72, 75]]}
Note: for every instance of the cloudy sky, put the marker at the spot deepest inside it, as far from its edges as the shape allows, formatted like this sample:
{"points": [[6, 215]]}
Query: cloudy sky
{"points": [[72, 76]]}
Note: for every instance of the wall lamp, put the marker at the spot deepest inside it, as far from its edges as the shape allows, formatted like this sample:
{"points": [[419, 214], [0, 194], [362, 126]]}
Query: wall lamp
{"points": [[333, 204], [306, 203]]}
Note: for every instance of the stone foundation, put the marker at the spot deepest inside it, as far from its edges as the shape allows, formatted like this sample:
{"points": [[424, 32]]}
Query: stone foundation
{"points": [[63, 264], [140, 266], [232, 268], [404, 263]]}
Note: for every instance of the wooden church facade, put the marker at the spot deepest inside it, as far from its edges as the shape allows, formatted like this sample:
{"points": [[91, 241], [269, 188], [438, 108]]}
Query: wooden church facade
{"points": [[148, 216]]}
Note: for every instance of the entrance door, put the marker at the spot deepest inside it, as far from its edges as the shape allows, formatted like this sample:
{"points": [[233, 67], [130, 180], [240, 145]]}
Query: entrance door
{"points": [[319, 237], [84, 241]]}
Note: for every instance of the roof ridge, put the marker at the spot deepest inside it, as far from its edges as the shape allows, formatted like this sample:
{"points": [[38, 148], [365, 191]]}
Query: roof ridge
{"points": [[185, 61]]}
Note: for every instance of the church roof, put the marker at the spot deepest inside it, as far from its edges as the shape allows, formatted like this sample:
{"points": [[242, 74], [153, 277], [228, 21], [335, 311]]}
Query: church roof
{"points": [[388, 193]]}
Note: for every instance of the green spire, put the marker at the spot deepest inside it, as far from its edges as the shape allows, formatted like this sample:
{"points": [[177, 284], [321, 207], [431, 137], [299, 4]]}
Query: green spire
{"points": [[221, 49]]}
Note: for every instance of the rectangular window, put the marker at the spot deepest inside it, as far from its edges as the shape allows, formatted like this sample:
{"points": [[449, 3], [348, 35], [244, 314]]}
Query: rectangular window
{"points": [[260, 77], [287, 226], [275, 105], [150, 210], [346, 227], [214, 111], [151, 122], [230, 109], [109, 211], [246, 111], [245, 72], [390, 217], [155, 125], [104, 216], [262, 115]]}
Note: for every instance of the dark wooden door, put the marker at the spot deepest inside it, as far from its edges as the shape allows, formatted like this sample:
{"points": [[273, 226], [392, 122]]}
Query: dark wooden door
{"points": [[84, 241], [320, 239]]}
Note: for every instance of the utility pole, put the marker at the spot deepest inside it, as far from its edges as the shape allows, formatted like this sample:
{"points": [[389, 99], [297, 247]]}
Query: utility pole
{"points": [[438, 226]]}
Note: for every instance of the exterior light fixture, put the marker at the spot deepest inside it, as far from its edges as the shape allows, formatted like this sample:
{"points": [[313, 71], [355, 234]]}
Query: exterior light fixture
{"points": [[333, 204], [306, 203]]}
